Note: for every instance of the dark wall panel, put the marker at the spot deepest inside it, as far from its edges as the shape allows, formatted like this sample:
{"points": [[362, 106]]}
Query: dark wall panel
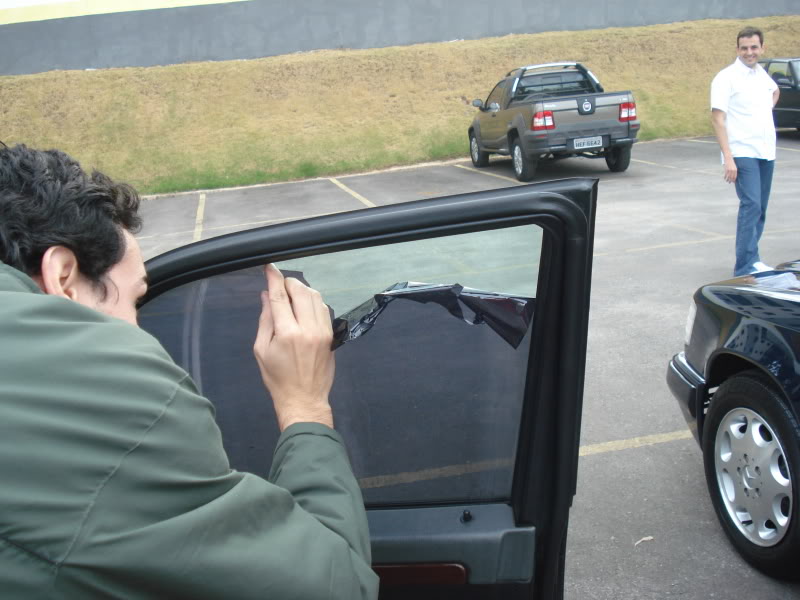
{"points": [[270, 27]]}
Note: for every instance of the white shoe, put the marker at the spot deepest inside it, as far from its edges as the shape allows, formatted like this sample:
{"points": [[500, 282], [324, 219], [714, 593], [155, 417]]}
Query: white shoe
{"points": [[760, 267]]}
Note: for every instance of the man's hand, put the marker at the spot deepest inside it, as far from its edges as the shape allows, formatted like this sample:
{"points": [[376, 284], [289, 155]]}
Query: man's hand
{"points": [[293, 350], [730, 170]]}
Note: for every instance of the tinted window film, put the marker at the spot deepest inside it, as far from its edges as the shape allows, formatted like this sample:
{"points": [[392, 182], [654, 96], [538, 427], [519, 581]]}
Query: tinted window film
{"points": [[429, 399]]}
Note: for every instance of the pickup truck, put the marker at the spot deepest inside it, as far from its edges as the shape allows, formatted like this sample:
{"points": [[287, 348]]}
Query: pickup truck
{"points": [[553, 111]]}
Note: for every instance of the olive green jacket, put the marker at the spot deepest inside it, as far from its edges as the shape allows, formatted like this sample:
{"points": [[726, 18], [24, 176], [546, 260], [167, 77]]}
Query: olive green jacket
{"points": [[114, 482]]}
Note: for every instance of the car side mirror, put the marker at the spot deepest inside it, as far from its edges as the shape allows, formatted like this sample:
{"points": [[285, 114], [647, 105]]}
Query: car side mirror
{"points": [[477, 103]]}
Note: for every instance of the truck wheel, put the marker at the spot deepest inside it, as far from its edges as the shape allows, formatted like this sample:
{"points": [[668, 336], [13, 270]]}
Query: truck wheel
{"points": [[618, 158], [479, 157], [751, 451], [524, 167]]}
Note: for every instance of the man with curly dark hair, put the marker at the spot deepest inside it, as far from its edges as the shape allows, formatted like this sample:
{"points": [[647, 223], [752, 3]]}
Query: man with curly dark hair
{"points": [[115, 483]]}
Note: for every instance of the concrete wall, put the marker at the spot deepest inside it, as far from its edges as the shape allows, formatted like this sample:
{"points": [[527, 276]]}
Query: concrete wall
{"points": [[270, 27]]}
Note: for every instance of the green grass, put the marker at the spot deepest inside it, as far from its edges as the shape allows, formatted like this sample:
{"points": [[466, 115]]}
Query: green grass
{"points": [[211, 125]]}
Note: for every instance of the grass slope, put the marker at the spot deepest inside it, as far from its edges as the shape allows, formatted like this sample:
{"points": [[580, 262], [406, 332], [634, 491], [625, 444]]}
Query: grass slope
{"points": [[216, 124]]}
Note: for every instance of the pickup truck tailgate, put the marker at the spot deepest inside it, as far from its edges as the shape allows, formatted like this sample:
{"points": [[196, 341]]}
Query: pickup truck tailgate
{"points": [[583, 116]]}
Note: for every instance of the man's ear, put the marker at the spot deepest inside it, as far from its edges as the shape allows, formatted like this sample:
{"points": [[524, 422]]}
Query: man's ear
{"points": [[60, 275]]}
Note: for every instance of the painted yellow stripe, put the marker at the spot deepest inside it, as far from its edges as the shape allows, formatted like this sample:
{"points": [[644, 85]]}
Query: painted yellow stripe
{"points": [[679, 244], [636, 442], [380, 481], [24, 11], [665, 166], [512, 180], [715, 143], [198, 220], [353, 193]]}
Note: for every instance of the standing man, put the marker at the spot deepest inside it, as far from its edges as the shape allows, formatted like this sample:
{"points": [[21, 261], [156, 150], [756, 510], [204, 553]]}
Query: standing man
{"points": [[742, 97], [113, 479]]}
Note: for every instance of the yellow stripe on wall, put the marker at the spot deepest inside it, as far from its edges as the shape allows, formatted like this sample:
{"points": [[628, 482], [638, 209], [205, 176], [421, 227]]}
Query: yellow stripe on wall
{"points": [[23, 11]]}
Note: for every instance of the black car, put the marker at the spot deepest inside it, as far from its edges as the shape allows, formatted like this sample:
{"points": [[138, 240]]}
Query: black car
{"points": [[462, 327], [738, 384], [786, 73]]}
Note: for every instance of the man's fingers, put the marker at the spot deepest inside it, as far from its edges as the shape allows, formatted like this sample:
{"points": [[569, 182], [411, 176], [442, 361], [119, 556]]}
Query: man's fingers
{"points": [[323, 316], [279, 301], [294, 303], [266, 327], [302, 298]]}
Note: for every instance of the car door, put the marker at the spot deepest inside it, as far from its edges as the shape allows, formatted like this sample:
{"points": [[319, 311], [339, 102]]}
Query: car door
{"points": [[459, 391], [492, 125], [787, 75]]}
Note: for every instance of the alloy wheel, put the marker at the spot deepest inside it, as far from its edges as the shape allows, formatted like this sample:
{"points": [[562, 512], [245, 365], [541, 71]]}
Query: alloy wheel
{"points": [[753, 477]]}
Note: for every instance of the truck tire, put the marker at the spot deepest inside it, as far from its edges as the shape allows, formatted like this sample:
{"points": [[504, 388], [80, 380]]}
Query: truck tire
{"points": [[479, 157], [524, 167], [618, 158]]}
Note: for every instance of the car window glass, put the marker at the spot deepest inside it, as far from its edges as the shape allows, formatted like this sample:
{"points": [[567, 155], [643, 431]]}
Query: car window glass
{"points": [[779, 70], [566, 82], [497, 94], [429, 399]]}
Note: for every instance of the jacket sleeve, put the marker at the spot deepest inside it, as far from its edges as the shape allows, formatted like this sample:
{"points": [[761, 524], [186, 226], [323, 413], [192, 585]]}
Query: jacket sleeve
{"points": [[173, 521]]}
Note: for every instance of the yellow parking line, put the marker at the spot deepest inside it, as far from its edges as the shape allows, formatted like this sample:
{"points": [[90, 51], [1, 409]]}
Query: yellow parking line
{"points": [[254, 224], [665, 166], [511, 179], [652, 164], [636, 442], [688, 228], [380, 481], [714, 142], [353, 193], [678, 244], [716, 238], [198, 221]]}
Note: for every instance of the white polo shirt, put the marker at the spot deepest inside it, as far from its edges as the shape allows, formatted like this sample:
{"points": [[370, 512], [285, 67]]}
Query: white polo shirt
{"points": [[745, 95]]}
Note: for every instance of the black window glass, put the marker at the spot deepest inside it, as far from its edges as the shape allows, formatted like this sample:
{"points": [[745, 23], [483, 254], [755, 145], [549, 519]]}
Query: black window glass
{"points": [[428, 400]]}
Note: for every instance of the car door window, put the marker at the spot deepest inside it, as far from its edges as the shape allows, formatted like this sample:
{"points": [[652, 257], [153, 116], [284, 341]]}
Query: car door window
{"points": [[428, 401], [779, 71], [458, 384], [497, 94]]}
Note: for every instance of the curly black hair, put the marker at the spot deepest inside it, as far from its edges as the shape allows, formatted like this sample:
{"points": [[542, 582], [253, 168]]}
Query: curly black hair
{"points": [[47, 199]]}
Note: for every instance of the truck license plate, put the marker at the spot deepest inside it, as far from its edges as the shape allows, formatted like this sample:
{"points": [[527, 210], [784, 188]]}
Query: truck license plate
{"points": [[589, 142]]}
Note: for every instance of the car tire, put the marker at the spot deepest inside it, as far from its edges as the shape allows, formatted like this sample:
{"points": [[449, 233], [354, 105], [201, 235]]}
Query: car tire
{"points": [[524, 167], [480, 158], [751, 452], [618, 158]]}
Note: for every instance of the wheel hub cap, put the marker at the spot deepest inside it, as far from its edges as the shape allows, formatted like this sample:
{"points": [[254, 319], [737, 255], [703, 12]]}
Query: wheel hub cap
{"points": [[753, 477], [517, 159]]}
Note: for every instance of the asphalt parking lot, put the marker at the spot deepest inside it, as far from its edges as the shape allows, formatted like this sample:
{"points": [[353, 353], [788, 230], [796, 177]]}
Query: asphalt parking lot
{"points": [[642, 526]]}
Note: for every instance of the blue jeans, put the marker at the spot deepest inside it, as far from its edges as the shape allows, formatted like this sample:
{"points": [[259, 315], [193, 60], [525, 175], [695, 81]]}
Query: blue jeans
{"points": [[753, 183]]}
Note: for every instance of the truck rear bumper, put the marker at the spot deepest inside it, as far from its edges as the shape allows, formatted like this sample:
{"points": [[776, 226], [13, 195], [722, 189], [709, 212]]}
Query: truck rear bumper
{"points": [[535, 147]]}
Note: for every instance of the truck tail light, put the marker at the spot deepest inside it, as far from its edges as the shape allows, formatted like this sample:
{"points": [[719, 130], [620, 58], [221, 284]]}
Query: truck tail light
{"points": [[543, 120], [627, 111]]}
